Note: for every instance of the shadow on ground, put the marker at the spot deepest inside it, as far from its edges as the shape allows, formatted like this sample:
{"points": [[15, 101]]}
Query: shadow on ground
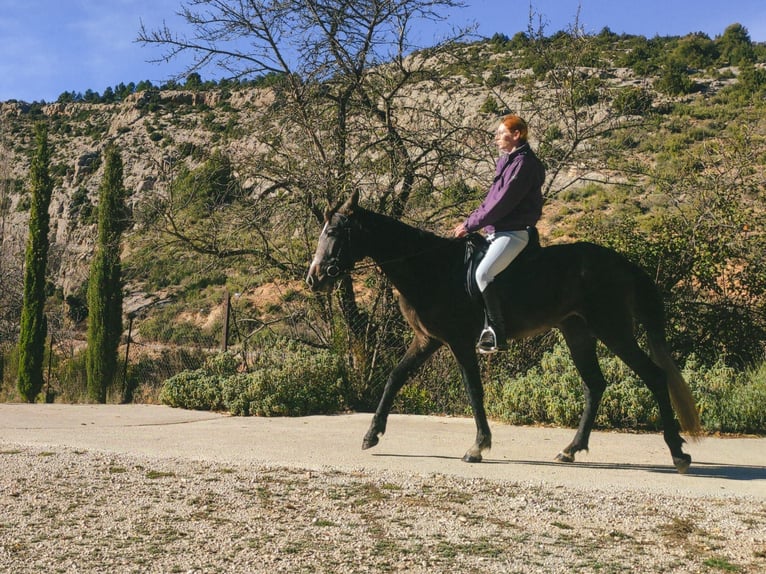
{"points": [[701, 469]]}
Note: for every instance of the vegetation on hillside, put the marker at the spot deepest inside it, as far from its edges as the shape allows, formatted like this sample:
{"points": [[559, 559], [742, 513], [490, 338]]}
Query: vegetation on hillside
{"points": [[654, 146]]}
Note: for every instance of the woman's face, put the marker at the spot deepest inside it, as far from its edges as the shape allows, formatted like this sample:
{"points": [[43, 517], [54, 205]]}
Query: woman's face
{"points": [[505, 140]]}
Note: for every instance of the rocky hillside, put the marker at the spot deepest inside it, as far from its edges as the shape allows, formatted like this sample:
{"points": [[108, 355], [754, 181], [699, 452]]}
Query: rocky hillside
{"points": [[156, 130]]}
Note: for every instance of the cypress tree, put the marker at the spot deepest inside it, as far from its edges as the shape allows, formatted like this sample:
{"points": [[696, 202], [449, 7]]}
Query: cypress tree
{"points": [[33, 324], [105, 282]]}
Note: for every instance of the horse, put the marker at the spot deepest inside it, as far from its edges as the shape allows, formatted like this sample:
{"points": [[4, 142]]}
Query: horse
{"points": [[586, 291]]}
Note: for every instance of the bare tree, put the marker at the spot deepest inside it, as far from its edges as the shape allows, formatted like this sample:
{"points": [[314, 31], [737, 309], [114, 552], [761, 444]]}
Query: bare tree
{"points": [[342, 75], [343, 114]]}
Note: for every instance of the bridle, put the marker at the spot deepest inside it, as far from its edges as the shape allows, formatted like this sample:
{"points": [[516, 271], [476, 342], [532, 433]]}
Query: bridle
{"points": [[341, 261]]}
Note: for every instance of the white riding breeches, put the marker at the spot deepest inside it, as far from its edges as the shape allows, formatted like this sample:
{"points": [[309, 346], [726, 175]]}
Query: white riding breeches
{"points": [[504, 247]]}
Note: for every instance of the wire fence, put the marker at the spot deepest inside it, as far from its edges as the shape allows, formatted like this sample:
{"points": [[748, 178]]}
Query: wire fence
{"points": [[145, 360], [155, 346]]}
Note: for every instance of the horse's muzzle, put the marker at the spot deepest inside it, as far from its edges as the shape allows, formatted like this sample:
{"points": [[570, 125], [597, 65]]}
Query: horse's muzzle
{"points": [[311, 279], [317, 281]]}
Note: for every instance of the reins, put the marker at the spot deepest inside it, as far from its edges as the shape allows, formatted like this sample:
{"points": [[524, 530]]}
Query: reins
{"points": [[345, 226], [394, 260]]}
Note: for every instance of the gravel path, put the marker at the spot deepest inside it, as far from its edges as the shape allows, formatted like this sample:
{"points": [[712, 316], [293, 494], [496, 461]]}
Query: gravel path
{"points": [[83, 510]]}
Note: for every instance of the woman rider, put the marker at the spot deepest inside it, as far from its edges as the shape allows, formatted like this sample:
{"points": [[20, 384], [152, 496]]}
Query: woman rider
{"points": [[513, 202]]}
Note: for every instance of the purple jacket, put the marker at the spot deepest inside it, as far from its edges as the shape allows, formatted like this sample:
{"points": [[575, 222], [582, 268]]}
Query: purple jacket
{"points": [[515, 199]]}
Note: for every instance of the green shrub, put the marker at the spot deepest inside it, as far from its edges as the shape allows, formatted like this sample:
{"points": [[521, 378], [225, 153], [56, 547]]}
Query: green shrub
{"points": [[72, 386], [748, 403], [728, 400], [497, 76], [222, 364], [490, 106], [238, 393], [195, 390], [9, 373], [633, 101], [531, 398], [437, 388], [162, 329], [200, 389], [305, 382], [458, 192], [674, 79], [285, 380], [552, 393]]}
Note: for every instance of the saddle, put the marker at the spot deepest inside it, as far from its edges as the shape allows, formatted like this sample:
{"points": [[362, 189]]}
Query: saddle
{"points": [[475, 249]]}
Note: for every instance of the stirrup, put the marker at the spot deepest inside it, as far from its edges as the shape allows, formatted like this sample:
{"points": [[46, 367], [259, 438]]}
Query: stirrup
{"points": [[488, 342]]}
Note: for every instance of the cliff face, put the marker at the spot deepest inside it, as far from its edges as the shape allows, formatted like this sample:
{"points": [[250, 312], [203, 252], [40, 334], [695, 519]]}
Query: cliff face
{"points": [[152, 130], [155, 131]]}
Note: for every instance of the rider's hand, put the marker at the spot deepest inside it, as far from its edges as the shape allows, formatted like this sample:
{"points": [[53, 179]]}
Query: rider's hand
{"points": [[460, 230]]}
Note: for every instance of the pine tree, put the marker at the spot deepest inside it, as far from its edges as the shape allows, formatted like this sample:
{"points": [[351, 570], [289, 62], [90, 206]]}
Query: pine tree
{"points": [[105, 282], [735, 46], [33, 324]]}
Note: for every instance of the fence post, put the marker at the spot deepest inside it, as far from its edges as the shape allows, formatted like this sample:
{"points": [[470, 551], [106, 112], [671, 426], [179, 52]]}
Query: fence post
{"points": [[50, 395], [226, 314], [127, 391]]}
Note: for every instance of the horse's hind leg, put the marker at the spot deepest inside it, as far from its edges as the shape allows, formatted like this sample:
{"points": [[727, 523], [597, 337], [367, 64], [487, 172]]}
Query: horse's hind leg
{"points": [[417, 353], [582, 346], [627, 349]]}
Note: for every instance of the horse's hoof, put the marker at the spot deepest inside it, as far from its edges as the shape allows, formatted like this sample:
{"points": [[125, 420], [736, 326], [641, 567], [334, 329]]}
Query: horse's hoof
{"points": [[564, 457], [370, 441], [468, 457], [682, 463]]}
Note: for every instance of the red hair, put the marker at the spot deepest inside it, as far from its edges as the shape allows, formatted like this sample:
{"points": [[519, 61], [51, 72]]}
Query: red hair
{"points": [[513, 122]]}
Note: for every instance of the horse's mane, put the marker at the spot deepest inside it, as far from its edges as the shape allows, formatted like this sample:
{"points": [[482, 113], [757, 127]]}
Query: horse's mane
{"points": [[398, 229], [410, 256]]}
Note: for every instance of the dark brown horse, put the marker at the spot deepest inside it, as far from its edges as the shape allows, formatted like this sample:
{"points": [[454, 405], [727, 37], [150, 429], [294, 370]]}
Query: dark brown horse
{"points": [[588, 292]]}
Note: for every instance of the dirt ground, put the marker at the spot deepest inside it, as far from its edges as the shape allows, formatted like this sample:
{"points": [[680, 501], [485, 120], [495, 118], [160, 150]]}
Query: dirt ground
{"points": [[152, 489]]}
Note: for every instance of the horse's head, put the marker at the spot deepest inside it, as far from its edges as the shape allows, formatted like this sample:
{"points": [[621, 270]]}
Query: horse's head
{"points": [[333, 257]]}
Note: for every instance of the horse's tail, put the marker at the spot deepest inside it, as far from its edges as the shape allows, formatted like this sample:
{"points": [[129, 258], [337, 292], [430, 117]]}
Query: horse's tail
{"points": [[650, 312]]}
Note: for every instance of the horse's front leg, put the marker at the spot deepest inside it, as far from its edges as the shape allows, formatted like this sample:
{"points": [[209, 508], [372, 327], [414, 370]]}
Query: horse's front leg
{"points": [[418, 352], [469, 367]]}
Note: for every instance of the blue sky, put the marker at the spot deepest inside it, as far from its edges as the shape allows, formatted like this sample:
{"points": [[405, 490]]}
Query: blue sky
{"points": [[51, 46]]}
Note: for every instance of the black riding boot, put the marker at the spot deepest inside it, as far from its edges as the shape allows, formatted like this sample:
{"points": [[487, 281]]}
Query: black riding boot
{"points": [[492, 338]]}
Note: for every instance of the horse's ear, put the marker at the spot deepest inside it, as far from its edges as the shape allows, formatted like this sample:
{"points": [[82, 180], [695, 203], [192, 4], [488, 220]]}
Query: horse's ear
{"points": [[328, 213], [346, 208], [351, 203], [331, 209]]}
